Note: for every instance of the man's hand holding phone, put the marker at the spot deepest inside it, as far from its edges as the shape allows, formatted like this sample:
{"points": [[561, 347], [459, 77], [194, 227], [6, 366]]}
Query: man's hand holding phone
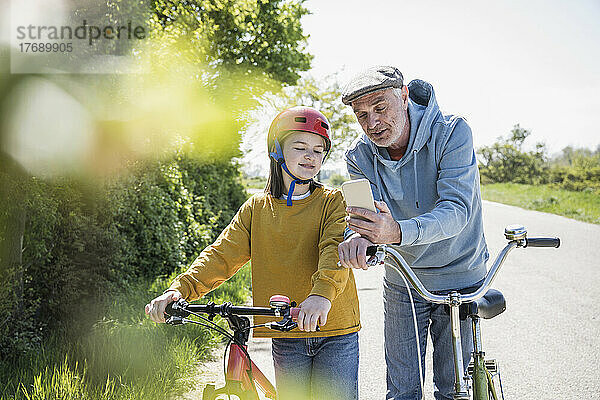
{"points": [[379, 228], [370, 226]]}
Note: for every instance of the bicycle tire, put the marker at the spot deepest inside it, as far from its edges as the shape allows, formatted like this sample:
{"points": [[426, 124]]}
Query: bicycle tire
{"points": [[210, 393]]}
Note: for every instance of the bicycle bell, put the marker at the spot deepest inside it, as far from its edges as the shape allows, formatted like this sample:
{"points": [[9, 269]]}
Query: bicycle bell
{"points": [[515, 232], [279, 301]]}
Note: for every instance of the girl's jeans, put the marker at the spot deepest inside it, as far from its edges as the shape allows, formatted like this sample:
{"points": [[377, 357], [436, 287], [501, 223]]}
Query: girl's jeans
{"points": [[324, 368], [401, 348]]}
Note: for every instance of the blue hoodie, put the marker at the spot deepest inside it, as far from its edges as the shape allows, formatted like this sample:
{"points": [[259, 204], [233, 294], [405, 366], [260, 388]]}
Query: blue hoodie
{"points": [[432, 191]]}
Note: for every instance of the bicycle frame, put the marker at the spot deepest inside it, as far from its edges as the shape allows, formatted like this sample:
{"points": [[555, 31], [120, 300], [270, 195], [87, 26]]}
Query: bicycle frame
{"points": [[482, 378], [242, 376], [482, 384], [454, 300]]}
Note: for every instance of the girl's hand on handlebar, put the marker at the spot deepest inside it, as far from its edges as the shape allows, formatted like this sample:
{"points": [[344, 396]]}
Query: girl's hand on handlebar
{"points": [[156, 308], [313, 310]]}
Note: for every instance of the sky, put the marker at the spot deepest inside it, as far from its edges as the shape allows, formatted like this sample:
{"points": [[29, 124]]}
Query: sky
{"points": [[535, 63]]}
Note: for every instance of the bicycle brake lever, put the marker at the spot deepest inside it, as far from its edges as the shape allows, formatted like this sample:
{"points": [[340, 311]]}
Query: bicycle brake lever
{"points": [[377, 258], [174, 320], [284, 325]]}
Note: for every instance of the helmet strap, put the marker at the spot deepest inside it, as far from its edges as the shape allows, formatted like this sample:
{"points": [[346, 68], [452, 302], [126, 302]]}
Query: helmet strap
{"points": [[277, 155], [293, 184]]}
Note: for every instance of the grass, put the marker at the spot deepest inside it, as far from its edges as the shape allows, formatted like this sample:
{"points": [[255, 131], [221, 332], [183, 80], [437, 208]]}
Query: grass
{"points": [[124, 357], [583, 206]]}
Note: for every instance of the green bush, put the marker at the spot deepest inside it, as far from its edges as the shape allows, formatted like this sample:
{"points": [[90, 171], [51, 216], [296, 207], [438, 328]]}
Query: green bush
{"points": [[83, 242], [336, 180], [106, 361], [65, 265], [582, 174], [506, 161]]}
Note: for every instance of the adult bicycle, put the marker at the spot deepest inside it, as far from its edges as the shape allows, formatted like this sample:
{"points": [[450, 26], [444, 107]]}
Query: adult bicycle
{"points": [[242, 376], [478, 382]]}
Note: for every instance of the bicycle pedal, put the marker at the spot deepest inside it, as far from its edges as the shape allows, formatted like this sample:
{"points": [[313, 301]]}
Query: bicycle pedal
{"points": [[490, 365]]}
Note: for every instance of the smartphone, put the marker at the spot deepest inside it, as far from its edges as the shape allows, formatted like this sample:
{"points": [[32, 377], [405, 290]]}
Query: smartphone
{"points": [[357, 193]]}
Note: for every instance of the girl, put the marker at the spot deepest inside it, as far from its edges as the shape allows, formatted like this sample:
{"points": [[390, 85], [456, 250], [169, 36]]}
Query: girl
{"points": [[290, 233]]}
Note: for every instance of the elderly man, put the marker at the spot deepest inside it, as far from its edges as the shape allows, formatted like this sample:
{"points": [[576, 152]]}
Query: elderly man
{"points": [[424, 178]]}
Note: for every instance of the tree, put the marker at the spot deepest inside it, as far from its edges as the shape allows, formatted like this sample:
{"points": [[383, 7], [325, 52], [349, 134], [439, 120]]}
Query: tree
{"points": [[246, 36], [336, 180], [193, 47], [326, 96], [570, 155], [506, 161]]}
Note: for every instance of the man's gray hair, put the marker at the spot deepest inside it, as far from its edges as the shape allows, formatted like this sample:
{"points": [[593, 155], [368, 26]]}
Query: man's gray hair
{"points": [[398, 92]]}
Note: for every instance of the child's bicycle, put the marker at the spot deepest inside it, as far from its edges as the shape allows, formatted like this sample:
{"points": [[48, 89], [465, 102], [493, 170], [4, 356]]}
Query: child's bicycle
{"points": [[479, 381], [241, 374]]}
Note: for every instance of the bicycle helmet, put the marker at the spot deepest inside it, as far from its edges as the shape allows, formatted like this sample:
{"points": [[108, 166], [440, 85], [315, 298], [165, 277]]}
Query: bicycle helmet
{"points": [[299, 118], [294, 119]]}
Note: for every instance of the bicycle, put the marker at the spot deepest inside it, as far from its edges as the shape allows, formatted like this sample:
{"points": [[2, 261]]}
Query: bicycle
{"points": [[242, 376], [484, 303]]}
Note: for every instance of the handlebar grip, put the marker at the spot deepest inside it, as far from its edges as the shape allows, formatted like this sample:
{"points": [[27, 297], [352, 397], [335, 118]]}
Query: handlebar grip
{"points": [[179, 309], [542, 242], [294, 311], [371, 250]]}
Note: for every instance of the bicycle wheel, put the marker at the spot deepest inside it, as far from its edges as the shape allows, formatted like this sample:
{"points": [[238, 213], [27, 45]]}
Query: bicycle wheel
{"points": [[228, 393], [209, 393]]}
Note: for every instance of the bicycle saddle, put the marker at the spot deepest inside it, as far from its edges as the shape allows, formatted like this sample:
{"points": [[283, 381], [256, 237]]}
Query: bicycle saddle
{"points": [[490, 305]]}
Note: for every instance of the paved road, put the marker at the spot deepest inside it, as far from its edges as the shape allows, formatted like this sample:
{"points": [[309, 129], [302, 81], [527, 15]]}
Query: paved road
{"points": [[547, 342]]}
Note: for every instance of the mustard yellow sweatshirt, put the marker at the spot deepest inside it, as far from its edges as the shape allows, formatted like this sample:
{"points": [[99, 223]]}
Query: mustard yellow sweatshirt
{"points": [[293, 252]]}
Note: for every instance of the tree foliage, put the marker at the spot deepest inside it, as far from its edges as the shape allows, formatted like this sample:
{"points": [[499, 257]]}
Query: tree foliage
{"points": [[83, 242], [507, 161], [326, 96], [247, 36], [576, 169]]}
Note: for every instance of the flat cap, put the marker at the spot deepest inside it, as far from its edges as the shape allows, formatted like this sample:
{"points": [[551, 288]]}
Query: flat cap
{"points": [[371, 80]]}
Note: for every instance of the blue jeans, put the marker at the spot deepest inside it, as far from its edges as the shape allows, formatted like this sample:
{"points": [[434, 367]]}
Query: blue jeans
{"points": [[317, 368], [401, 349]]}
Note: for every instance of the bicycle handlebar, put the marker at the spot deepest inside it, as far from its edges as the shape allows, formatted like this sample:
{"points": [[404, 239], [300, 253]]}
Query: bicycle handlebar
{"points": [[182, 309], [542, 242], [516, 239]]}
